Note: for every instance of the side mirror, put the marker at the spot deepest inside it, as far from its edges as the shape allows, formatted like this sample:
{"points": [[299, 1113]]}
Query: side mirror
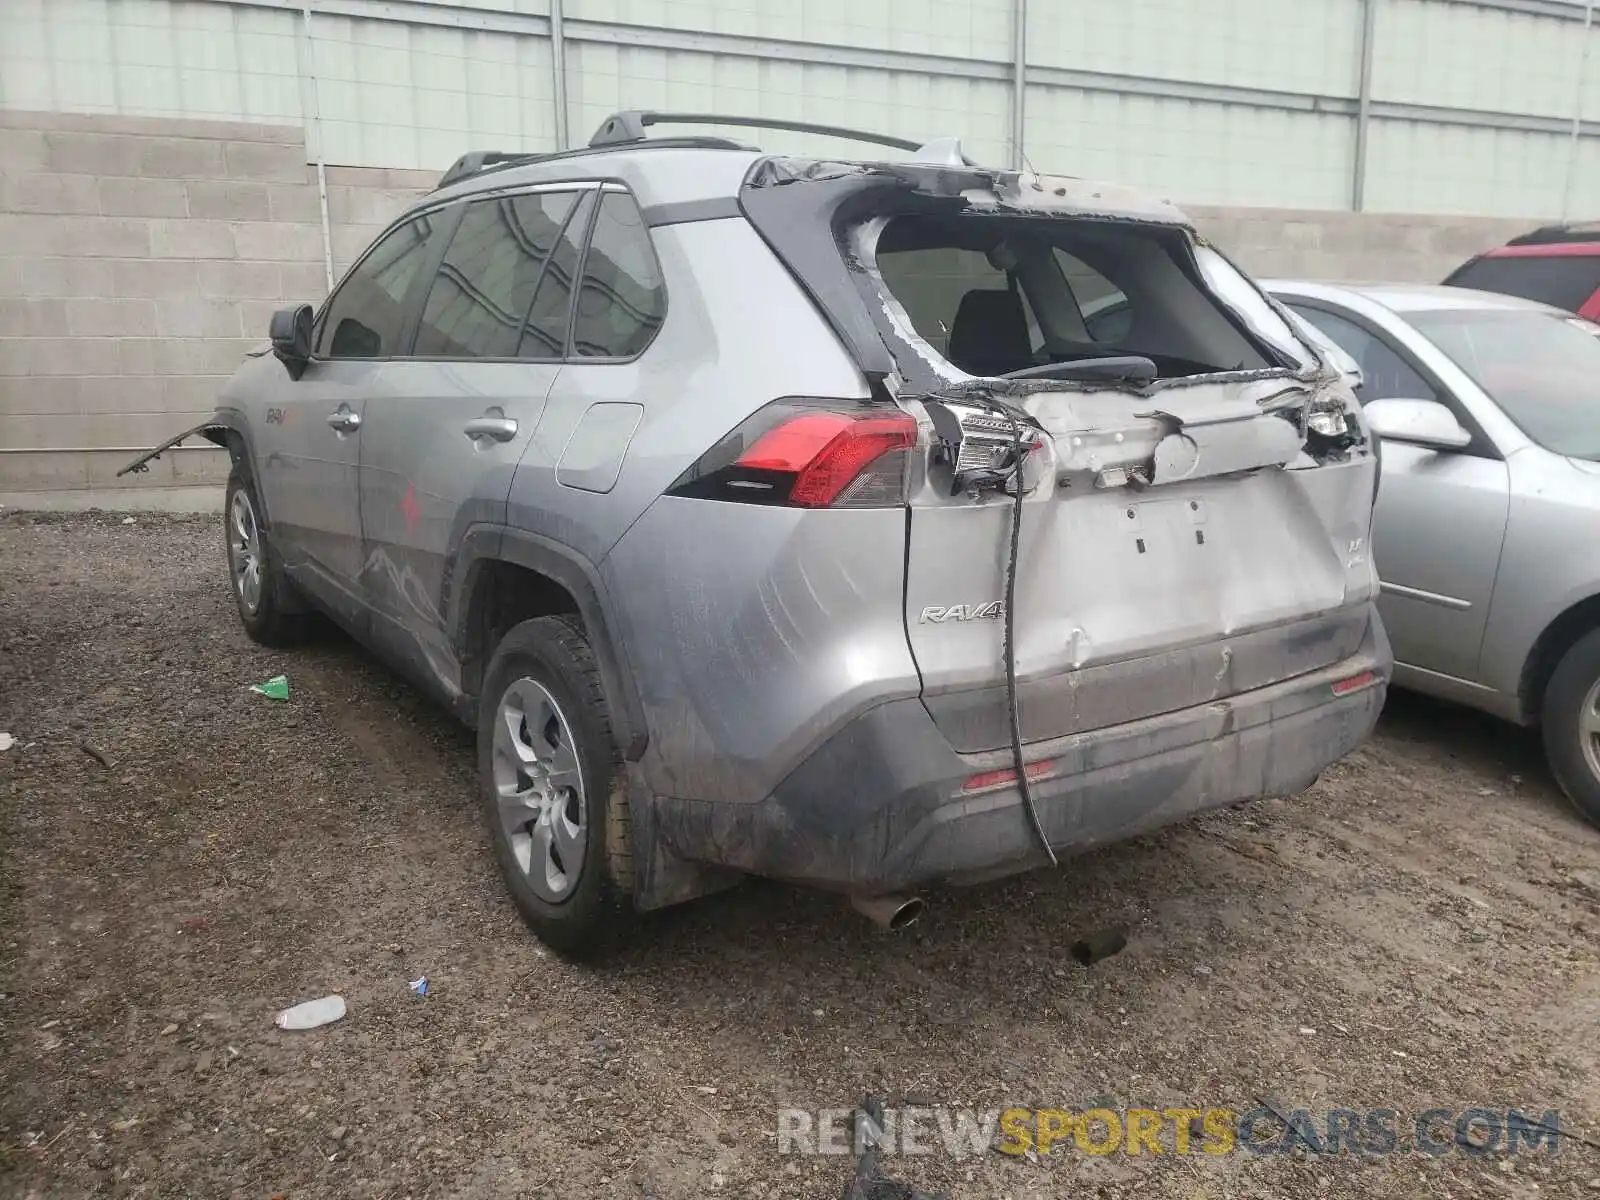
{"points": [[1419, 422], [291, 338]]}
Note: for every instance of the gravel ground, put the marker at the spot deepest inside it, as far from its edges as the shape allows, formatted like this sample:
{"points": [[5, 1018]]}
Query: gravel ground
{"points": [[181, 858]]}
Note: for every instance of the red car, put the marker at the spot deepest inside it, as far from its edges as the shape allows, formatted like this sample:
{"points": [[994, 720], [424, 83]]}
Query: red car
{"points": [[1559, 265]]}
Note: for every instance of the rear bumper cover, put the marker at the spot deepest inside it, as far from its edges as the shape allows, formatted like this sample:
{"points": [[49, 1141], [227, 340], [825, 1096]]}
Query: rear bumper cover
{"points": [[879, 806]]}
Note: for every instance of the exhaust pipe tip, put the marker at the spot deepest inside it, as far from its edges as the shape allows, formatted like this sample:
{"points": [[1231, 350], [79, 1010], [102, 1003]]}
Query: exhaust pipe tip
{"points": [[889, 912]]}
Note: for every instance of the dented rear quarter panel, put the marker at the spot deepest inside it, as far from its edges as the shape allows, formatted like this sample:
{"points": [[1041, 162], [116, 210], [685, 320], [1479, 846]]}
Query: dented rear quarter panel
{"points": [[755, 631]]}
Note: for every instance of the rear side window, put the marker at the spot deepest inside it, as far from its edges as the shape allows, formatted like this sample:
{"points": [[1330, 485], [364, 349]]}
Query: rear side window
{"points": [[479, 302], [1000, 294], [1565, 281], [363, 319], [621, 302]]}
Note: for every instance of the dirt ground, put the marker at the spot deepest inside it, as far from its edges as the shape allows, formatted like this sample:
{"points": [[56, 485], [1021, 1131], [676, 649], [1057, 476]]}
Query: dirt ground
{"points": [[180, 858]]}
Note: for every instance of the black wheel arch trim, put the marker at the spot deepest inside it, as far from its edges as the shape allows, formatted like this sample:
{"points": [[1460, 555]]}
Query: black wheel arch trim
{"points": [[485, 544]]}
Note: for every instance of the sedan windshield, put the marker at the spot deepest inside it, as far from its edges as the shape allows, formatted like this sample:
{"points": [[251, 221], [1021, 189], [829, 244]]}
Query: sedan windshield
{"points": [[1541, 368]]}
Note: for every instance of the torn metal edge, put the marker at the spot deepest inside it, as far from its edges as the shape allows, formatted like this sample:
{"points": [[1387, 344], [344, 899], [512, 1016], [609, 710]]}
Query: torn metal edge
{"points": [[215, 431]]}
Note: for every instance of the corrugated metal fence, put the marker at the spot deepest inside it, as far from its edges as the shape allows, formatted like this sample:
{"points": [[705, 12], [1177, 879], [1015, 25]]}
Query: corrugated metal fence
{"points": [[1450, 106]]}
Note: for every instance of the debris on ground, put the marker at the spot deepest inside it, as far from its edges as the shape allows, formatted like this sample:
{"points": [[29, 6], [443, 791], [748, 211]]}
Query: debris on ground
{"points": [[130, 520], [419, 987], [869, 1182], [1255, 850], [1099, 945], [312, 1013], [7, 741], [276, 688], [95, 753]]}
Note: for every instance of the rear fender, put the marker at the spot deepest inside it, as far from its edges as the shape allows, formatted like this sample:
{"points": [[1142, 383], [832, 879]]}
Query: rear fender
{"points": [[488, 543]]}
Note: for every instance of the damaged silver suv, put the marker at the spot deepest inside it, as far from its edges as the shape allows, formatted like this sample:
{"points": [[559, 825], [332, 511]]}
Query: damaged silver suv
{"points": [[861, 524]]}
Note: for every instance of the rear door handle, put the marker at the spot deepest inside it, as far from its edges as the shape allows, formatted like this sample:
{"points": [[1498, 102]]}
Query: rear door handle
{"points": [[344, 420], [501, 429]]}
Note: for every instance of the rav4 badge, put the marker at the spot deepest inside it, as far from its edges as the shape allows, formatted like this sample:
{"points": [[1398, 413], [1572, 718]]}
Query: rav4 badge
{"points": [[937, 614]]}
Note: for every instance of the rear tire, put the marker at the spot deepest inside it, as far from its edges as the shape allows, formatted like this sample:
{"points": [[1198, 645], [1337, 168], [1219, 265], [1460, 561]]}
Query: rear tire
{"points": [[551, 786], [266, 600], [1571, 719]]}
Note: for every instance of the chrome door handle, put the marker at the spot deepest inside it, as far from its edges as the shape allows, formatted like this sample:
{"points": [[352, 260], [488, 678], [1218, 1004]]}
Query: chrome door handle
{"points": [[501, 429], [344, 421]]}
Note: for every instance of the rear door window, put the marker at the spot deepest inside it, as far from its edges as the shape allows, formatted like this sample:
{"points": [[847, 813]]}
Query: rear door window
{"points": [[1565, 281], [1384, 374], [549, 320], [479, 301], [621, 301], [364, 317]]}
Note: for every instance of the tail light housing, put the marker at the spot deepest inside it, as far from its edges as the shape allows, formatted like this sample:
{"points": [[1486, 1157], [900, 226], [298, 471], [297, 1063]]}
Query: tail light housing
{"points": [[808, 453]]}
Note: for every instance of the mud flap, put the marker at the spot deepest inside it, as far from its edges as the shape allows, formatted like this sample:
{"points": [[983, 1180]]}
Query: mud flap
{"points": [[660, 877], [214, 430]]}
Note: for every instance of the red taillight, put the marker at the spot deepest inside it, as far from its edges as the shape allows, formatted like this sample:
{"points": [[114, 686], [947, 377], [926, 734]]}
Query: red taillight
{"points": [[809, 454], [989, 779], [1355, 683], [826, 451]]}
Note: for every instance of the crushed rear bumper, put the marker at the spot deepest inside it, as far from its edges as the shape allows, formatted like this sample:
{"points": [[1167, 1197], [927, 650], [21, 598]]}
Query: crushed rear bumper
{"points": [[880, 806]]}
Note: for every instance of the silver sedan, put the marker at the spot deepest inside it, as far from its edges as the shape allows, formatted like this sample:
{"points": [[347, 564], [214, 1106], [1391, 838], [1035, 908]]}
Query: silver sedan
{"points": [[1487, 530]]}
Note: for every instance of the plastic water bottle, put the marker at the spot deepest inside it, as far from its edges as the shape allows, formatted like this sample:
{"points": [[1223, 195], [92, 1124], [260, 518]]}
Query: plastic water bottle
{"points": [[312, 1013]]}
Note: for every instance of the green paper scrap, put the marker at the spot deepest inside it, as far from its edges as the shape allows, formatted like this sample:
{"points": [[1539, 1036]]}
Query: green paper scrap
{"points": [[276, 688]]}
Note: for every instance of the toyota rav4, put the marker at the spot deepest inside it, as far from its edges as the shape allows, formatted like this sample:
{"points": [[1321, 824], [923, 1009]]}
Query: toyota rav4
{"points": [[860, 524]]}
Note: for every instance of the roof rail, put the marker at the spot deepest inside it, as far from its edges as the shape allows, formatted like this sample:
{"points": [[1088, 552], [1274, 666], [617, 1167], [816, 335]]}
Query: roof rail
{"points": [[629, 126], [476, 160]]}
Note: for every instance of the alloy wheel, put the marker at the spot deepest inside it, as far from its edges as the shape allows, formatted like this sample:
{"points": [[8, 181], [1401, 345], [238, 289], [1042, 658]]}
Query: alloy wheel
{"points": [[539, 789], [1589, 728], [244, 550]]}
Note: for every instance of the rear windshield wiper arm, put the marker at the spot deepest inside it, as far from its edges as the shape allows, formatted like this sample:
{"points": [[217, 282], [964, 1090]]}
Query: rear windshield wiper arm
{"points": [[1120, 368]]}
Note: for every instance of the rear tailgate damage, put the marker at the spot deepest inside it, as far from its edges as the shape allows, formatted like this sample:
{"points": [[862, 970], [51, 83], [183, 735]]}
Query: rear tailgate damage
{"points": [[1198, 481]]}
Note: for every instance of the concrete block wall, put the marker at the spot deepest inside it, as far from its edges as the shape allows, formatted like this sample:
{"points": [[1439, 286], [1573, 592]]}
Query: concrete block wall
{"points": [[1351, 247], [141, 257]]}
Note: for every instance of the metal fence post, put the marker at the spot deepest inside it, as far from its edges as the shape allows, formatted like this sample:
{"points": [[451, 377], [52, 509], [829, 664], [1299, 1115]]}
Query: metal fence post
{"points": [[315, 122], [1577, 114], [558, 72], [1358, 173], [1019, 78]]}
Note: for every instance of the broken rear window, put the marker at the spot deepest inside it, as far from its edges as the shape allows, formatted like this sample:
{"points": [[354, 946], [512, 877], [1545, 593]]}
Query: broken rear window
{"points": [[995, 295]]}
